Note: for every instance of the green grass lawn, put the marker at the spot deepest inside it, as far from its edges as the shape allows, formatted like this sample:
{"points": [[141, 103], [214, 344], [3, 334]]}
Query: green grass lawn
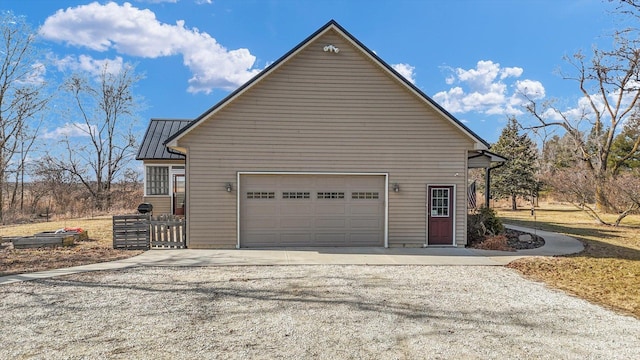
{"points": [[607, 272]]}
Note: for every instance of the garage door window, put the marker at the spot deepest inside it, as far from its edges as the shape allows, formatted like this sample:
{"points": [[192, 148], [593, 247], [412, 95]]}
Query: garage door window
{"points": [[365, 195], [261, 195], [330, 195], [295, 195]]}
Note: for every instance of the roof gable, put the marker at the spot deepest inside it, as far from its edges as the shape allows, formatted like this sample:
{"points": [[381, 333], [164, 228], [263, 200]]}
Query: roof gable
{"points": [[159, 130], [480, 144]]}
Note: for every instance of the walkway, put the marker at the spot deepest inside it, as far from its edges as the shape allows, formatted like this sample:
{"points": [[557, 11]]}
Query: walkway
{"points": [[555, 244]]}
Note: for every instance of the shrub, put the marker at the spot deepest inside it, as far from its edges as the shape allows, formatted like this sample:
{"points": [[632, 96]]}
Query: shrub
{"points": [[481, 223]]}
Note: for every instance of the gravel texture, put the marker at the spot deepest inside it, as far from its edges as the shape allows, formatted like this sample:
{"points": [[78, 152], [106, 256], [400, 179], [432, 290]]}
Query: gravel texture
{"points": [[306, 312]]}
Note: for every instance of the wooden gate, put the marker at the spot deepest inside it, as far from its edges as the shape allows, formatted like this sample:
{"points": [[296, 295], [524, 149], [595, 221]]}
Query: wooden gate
{"points": [[168, 232]]}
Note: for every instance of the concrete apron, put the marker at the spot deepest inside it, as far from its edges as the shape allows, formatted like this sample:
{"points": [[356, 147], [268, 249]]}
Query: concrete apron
{"points": [[555, 244]]}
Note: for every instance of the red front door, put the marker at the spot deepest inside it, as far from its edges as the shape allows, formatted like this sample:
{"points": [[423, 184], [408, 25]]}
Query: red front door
{"points": [[440, 215]]}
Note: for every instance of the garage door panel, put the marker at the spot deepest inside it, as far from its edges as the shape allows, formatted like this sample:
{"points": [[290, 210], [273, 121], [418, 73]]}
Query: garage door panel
{"points": [[330, 223], [373, 223], [365, 209], [311, 210], [331, 239], [261, 239], [261, 210], [295, 239], [262, 223], [296, 223], [331, 209], [296, 209]]}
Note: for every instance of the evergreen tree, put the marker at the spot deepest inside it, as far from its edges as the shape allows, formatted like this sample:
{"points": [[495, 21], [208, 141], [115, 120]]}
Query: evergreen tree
{"points": [[516, 178], [625, 152]]}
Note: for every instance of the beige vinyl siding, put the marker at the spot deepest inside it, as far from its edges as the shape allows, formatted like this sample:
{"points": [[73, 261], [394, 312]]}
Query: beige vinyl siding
{"points": [[161, 204], [325, 112]]}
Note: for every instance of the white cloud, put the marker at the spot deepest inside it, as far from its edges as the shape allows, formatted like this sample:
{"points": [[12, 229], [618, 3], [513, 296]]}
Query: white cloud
{"points": [[137, 32], [405, 70], [530, 88], [450, 80], [484, 89], [511, 72], [69, 130], [88, 64]]}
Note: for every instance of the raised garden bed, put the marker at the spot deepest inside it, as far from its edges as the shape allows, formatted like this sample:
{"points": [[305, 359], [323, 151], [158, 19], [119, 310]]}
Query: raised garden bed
{"points": [[47, 239]]}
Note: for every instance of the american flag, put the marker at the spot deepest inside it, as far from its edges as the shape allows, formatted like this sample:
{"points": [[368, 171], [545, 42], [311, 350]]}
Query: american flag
{"points": [[471, 195]]}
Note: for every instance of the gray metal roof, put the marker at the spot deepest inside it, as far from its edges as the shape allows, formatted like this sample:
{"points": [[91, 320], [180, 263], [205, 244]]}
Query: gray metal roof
{"points": [[159, 130]]}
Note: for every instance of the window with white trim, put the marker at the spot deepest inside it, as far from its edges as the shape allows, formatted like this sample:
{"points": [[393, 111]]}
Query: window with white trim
{"points": [[157, 178]]}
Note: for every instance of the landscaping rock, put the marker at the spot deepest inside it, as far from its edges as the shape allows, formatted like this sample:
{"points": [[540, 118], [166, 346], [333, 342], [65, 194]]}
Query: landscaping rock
{"points": [[525, 238]]}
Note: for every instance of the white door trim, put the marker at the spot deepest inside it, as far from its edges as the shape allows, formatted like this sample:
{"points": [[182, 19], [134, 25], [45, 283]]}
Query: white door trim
{"points": [[386, 194], [172, 173]]}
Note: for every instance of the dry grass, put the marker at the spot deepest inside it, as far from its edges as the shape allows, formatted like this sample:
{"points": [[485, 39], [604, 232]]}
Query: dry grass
{"points": [[496, 242], [97, 249], [606, 272]]}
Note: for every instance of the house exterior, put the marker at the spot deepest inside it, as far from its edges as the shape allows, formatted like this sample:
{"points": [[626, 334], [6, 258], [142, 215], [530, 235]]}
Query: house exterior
{"points": [[328, 146], [164, 176]]}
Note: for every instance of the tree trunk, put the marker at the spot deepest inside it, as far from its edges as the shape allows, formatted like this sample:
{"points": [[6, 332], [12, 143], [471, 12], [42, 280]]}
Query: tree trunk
{"points": [[2, 173], [602, 202], [514, 204]]}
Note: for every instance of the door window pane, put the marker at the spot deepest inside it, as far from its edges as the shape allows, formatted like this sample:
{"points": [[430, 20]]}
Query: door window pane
{"points": [[439, 202]]}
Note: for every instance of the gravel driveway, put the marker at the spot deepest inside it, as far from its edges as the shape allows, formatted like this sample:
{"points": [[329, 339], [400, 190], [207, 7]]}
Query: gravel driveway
{"points": [[296, 312]]}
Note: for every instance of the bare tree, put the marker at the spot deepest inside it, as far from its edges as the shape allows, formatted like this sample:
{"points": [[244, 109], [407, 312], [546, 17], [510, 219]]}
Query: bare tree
{"points": [[610, 85], [105, 109], [624, 193], [22, 91]]}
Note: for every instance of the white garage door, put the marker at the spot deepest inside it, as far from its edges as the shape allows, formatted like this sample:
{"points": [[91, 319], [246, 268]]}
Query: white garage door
{"points": [[311, 210]]}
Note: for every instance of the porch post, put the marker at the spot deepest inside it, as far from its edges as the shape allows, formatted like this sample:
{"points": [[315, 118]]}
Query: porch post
{"points": [[487, 183]]}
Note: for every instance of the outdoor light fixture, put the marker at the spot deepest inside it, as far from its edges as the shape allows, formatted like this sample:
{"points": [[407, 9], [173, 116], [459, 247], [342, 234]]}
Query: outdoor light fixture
{"points": [[396, 187], [331, 48], [228, 187]]}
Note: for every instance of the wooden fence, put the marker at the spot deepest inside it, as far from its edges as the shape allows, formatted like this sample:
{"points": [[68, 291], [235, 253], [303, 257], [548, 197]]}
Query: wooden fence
{"points": [[142, 232]]}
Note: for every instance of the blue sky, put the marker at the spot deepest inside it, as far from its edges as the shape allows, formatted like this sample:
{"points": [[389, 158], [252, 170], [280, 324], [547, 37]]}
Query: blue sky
{"points": [[473, 57]]}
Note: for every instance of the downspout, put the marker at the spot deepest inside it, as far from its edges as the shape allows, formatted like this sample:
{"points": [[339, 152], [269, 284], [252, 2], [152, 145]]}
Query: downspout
{"points": [[487, 183], [171, 151]]}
